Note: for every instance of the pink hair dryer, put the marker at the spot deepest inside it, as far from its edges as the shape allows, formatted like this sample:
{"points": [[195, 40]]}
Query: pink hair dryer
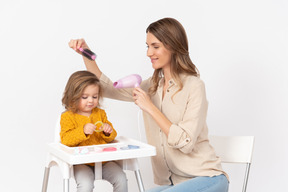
{"points": [[130, 81]]}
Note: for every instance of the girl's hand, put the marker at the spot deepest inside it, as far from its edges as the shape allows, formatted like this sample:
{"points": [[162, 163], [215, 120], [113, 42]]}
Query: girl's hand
{"points": [[142, 99], [107, 129], [89, 128], [78, 43]]}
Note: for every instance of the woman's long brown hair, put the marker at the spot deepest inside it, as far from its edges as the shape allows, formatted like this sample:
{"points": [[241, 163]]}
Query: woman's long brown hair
{"points": [[171, 33]]}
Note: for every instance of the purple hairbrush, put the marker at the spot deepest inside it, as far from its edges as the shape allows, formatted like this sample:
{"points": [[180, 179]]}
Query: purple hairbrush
{"points": [[88, 53]]}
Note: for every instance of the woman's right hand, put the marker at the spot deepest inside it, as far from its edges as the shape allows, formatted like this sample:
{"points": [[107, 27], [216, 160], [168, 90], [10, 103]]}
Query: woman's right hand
{"points": [[76, 44], [90, 64]]}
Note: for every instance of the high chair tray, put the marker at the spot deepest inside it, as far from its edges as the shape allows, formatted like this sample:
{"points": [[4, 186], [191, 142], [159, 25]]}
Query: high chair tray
{"points": [[121, 148]]}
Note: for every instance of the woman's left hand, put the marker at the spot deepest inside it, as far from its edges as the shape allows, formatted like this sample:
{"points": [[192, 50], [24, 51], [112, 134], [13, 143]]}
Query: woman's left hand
{"points": [[142, 99]]}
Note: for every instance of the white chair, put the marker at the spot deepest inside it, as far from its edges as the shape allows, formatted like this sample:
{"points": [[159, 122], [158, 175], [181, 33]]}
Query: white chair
{"points": [[126, 159], [66, 170], [234, 149]]}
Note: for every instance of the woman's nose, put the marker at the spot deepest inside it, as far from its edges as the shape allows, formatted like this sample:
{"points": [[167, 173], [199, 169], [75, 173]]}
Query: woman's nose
{"points": [[149, 52]]}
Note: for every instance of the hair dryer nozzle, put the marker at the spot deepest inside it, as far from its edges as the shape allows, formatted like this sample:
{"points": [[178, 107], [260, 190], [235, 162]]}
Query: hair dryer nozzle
{"points": [[130, 81]]}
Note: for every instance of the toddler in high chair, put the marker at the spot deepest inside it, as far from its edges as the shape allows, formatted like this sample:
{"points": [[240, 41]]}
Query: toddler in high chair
{"points": [[81, 101]]}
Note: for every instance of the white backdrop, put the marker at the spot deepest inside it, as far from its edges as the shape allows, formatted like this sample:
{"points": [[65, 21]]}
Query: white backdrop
{"points": [[240, 48]]}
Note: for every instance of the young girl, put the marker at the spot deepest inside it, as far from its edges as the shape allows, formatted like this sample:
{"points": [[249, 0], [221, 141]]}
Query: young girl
{"points": [[81, 100]]}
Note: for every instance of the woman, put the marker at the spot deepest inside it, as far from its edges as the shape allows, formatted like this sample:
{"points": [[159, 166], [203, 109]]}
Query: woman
{"points": [[175, 109]]}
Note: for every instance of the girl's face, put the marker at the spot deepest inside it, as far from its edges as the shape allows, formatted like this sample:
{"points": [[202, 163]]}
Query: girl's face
{"points": [[159, 55], [89, 100]]}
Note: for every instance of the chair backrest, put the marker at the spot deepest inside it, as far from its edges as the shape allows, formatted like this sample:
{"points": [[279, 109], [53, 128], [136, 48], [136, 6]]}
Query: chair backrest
{"points": [[234, 149], [57, 130], [141, 127]]}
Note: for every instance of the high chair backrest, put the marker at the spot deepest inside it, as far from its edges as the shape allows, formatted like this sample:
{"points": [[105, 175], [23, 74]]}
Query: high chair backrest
{"points": [[57, 138]]}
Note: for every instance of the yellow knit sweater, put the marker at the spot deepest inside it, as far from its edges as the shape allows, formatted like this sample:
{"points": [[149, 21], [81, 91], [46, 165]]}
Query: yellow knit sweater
{"points": [[72, 129]]}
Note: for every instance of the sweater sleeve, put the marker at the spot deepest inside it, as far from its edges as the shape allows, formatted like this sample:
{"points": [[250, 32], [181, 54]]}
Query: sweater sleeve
{"points": [[71, 134]]}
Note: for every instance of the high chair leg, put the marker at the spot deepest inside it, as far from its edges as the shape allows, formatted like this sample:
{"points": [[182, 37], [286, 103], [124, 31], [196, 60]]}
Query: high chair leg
{"points": [[139, 180], [45, 179], [66, 185]]}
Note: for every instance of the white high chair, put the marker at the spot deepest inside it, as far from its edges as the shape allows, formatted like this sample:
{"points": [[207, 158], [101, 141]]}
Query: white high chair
{"points": [[58, 155]]}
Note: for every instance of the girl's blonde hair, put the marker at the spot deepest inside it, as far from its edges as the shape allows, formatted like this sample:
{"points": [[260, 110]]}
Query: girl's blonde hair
{"points": [[171, 33], [75, 86]]}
